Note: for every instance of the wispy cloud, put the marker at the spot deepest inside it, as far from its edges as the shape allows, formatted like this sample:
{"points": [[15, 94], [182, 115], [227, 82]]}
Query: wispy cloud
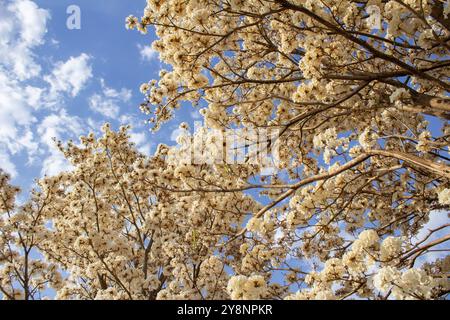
{"points": [[23, 26], [141, 141], [70, 76], [147, 53], [58, 126], [108, 101]]}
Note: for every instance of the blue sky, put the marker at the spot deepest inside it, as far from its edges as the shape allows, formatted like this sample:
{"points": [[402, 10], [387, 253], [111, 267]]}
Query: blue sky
{"points": [[56, 82]]}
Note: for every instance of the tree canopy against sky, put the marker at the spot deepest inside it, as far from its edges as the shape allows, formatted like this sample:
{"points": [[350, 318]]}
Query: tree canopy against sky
{"points": [[361, 117]]}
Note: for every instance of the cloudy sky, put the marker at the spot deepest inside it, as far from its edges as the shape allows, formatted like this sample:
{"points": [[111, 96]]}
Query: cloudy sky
{"points": [[61, 83]]}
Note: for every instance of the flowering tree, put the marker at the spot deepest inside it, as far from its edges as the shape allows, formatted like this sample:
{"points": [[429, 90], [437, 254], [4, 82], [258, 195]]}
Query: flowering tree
{"points": [[23, 274], [361, 117], [122, 228]]}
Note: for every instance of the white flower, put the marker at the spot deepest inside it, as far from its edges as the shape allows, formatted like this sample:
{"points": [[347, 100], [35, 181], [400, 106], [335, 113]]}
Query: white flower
{"points": [[444, 197], [368, 139], [398, 95], [425, 39], [391, 247], [385, 278], [325, 139], [254, 224], [247, 288], [131, 22], [145, 87], [368, 238], [333, 269], [417, 281]]}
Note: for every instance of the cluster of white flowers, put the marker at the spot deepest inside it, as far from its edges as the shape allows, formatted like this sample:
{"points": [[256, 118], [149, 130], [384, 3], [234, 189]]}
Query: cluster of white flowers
{"points": [[325, 138], [444, 197], [409, 284], [426, 39], [424, 142], [21, 229], [8, 192], [368, 139], [398, 95], [263, 225], [391, 247], [247, 288], [302, 208]]}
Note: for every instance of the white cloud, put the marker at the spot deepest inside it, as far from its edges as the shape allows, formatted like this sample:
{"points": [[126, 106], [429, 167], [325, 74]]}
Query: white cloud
{"points": [[196, 115], [176, 133], [147, 53], [6, 164], [108, 102], [139, 134], [107, 107], [16, 118], [94, 125], [146, 149], [58, 126], [23, 26], [127, 118], [70, 76], [140, 139], [55, 163], [33, 21], [34, 96], [32, 112]]}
